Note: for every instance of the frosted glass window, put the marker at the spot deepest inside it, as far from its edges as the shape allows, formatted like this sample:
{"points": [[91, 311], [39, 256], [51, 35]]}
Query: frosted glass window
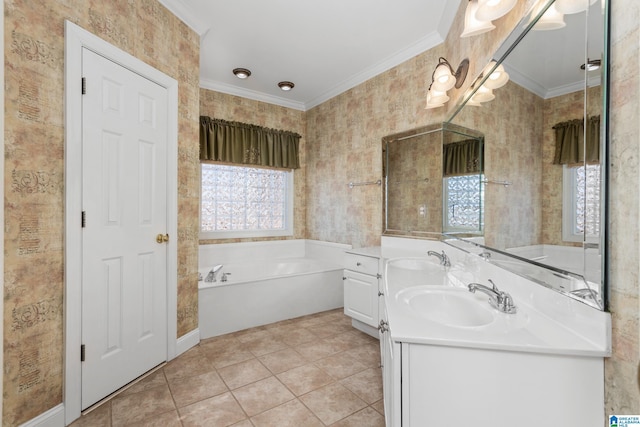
{"points": [[242, 201], [581, 211], [463, 203], [587, 200]]}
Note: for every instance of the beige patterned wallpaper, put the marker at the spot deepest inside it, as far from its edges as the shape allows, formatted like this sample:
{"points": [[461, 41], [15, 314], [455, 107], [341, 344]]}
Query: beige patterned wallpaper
{"points": [[233, 108], [512, 125], [34, 177], [556, 110], [622, 370]]}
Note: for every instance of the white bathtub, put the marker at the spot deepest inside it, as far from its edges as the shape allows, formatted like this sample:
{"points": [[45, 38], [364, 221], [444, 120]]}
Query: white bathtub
{"points": [[264, 288]]}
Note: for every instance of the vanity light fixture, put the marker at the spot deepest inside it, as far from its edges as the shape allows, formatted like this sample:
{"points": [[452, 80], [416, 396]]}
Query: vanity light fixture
{"points": [[436, 99], [484, 94], [241, 73], [591, 65], [552, 19], [286, 86], [443, 79], [498, 78], [573, 6], [473, 26], [488, 10]]}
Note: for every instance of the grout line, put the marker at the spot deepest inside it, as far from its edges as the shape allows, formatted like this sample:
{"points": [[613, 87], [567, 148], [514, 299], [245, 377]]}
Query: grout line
{"points": [[122, 389]]}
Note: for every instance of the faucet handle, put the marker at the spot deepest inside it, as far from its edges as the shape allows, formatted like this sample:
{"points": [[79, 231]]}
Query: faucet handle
{"points": [[495, 288]]}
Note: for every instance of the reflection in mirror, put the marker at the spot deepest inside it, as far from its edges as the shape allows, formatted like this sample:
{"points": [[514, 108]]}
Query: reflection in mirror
{"points": [[462, 181], [430, 171], [537, 128]]}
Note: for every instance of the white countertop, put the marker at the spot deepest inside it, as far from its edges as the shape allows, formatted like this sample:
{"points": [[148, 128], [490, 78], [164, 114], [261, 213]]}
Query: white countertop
{"points": [[534, 328]]}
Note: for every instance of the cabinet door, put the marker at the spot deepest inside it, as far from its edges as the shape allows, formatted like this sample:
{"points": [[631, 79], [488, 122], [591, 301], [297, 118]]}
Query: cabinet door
{"points": [[391, 380], [361, 297]]}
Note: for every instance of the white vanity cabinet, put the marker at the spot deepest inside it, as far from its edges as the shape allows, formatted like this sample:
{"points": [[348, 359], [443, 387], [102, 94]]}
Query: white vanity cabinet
{"points": [[432, 385], [361, 286]]}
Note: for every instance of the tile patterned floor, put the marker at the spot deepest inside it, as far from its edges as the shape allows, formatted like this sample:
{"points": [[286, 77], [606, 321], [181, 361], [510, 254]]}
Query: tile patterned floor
{"points": [[311, 371]]}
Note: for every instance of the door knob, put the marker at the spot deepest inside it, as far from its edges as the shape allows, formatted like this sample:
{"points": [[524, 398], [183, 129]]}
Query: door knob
{"points": [[162, 238]]}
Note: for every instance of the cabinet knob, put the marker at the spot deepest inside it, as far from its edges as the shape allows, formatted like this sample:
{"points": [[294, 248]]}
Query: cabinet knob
{"points": [[344, 278], [383, 327], [380, 293], [358, 264]]}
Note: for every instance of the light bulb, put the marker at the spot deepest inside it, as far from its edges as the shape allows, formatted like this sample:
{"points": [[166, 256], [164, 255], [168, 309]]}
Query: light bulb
{"points": [[497, 78], [488, 10], [443, 80], [473, 27]]}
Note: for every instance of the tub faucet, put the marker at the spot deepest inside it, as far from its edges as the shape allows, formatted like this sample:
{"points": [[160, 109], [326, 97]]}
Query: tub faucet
{"points": [[224, 277], [211, 277], [444, 259], [498, 299]]}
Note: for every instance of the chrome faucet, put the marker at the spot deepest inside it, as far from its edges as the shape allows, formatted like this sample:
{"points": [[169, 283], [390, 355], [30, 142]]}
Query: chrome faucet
{"points": [[498, 299], [211, 277], [444, 259]]}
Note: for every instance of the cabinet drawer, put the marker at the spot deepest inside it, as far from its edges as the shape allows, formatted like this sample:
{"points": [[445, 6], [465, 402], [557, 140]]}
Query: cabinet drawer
{"points": [[360, 263]]}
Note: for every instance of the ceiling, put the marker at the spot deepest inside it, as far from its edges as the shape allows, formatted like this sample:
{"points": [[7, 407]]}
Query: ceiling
{"points": [[328, 47], [324, 47], [547, 63]]}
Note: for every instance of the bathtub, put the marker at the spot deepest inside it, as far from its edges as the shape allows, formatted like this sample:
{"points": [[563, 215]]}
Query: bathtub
{"points": [[264, 289], [575, 259]]}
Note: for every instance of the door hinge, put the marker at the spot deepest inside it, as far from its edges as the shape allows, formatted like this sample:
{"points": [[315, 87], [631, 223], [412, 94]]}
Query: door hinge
{"points": [[84, 85], [84, 219], [82, 353]]}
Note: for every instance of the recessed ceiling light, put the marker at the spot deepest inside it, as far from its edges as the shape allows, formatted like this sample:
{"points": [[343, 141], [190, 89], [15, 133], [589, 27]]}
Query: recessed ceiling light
{"points": [[591, 65], [286, 86], [241, 73]]}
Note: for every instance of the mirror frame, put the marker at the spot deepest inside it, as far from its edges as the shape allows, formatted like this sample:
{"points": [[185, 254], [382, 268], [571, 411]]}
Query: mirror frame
{"points": [[441, 129]]}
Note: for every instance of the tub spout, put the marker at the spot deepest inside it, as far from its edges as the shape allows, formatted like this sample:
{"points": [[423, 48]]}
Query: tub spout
{"points": [[211, 277]]}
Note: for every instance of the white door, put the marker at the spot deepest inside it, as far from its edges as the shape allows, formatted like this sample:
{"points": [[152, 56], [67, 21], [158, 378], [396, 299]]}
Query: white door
{"points": [[124, 297]]}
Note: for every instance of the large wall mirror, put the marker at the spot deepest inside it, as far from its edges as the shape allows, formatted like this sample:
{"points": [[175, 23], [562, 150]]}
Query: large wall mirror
{"points": [[434, 181], [545, 134]]}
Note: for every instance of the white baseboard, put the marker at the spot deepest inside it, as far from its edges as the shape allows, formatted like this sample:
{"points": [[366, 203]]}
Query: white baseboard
{"points": [[188, 340], [362, 327], [54, 417]]}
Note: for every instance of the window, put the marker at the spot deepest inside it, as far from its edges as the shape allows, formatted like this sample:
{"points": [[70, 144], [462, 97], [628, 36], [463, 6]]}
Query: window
{"points": [[463, 203], [238, 201], [581, 211]]}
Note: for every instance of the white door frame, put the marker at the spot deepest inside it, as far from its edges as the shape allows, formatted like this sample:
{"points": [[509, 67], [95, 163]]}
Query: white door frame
{"points": [[76, 39]]}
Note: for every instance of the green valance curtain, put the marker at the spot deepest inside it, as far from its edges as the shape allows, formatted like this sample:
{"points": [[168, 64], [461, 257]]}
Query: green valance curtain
{"points": [[570, 146], [246, 144], [463, 157]]}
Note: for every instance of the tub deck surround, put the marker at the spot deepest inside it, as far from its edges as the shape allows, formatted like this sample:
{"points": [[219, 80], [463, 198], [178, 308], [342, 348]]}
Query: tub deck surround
{"points": [[267, 282], [569, 258]]}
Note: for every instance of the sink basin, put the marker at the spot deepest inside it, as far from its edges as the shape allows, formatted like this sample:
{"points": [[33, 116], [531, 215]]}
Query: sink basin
{"points": [[414, 271], [448, 306]]}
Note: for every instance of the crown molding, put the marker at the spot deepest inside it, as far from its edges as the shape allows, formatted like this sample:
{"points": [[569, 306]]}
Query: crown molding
{"points": [[187, 15], [431, 40], [251, 94]]}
